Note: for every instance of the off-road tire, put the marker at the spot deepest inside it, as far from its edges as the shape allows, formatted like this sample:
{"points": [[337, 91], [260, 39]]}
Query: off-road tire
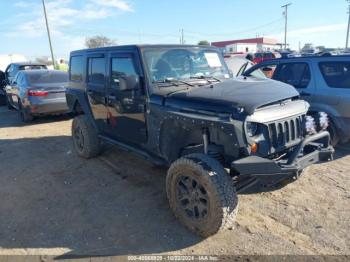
{"points": [[89, 147], [219, 187], [333, 133], [24, 113]]}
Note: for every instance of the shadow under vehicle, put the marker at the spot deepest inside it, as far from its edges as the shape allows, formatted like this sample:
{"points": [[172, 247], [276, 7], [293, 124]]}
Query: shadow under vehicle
{"points": [[178, 106]]}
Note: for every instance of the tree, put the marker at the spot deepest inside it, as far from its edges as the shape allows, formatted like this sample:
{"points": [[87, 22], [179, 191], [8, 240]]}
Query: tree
{"points": [[98, 41], [203, 42]]}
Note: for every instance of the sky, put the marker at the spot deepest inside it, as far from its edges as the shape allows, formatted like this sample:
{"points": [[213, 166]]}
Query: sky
{"points": [[23, 31]]}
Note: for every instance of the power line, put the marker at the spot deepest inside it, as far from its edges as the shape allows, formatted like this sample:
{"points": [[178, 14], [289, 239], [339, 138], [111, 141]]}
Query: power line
{"points": [[248, 30]]}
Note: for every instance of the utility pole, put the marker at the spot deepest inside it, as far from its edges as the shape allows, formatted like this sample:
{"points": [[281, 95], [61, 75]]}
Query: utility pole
{"points": [[182, 39], [48, 34], [286, 23], [347, 33]]}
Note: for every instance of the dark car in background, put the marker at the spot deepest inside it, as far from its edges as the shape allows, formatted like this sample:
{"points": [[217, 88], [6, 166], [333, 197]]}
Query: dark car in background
{"points": [[38, 92], [264, 56], [13, 68], [3, 84], [323, 81]]}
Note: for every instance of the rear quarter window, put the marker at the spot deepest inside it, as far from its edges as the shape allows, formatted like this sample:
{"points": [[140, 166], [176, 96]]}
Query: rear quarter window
{"points": [[336, 74], [76, 68], [32, 67]]}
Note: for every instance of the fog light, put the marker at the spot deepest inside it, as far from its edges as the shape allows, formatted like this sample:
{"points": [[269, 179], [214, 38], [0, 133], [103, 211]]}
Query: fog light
{"points": [[254, 148], [324, 121], [310, 125]]}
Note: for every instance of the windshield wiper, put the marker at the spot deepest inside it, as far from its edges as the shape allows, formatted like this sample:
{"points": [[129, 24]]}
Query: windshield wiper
{"points": [[172, 81], [206, 78]]}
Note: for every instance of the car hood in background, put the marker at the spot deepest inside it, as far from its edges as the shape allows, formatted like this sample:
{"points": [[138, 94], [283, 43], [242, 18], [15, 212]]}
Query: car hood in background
{"points": [[248, 93]]}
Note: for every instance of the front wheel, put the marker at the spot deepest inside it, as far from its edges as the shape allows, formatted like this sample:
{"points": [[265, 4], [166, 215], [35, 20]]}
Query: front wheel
{"points": [[85, 139], [201, 194]]}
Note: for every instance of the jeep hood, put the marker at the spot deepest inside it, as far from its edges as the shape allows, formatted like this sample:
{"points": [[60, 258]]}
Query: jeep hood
{"points": [[248, 93]]}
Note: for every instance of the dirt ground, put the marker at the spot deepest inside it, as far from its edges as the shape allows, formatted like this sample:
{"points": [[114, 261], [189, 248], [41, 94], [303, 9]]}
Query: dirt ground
{"points": [[54, 203]]}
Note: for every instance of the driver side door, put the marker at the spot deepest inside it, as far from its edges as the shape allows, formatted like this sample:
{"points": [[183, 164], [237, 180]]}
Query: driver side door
{"points": [[125, 105]]}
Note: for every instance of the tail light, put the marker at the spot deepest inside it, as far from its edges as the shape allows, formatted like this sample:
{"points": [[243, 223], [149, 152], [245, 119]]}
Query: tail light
{"points": [[37, 93]]}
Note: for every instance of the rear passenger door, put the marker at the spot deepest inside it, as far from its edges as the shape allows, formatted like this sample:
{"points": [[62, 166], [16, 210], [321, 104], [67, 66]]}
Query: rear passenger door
{"points": [[96, 88], [12, 90], [297, 74], [333, 85]]}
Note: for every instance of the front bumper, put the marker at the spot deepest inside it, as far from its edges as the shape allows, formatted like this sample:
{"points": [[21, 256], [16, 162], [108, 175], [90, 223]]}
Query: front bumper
{"points": [[311, 150]]}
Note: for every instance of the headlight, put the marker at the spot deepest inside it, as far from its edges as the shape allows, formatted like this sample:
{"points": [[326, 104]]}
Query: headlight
{"points": [[252, 128], [310, 125], [323, 120]]}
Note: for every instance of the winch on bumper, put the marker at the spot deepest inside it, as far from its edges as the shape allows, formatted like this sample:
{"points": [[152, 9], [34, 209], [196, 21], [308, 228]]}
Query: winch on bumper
{"points": [[312, 149]]}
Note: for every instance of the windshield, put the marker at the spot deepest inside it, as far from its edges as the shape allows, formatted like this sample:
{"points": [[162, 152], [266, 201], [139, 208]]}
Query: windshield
{"points": [[184, 64], [47, 77]]}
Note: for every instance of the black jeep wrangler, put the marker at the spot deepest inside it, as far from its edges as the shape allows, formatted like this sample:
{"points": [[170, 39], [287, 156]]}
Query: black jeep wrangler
{"points": [[178, 106]]}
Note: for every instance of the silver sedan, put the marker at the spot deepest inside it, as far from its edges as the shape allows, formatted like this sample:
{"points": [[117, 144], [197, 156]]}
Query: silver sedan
{"points": [[38, 92]]}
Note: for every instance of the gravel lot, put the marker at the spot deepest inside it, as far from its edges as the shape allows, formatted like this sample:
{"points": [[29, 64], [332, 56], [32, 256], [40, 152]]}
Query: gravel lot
{"points": [[54, 203]]}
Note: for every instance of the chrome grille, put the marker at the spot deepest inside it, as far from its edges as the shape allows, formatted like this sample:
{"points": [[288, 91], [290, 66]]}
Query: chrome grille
{"points": [[285, 133]]}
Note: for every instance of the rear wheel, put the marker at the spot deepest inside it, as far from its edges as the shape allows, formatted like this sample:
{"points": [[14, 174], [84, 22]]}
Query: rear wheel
{"points": [[24, 113], [201, 194], [85, 138], [8, 103]]}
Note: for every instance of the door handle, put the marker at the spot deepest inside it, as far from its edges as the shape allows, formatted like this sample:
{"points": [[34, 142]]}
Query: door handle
{"points": [[305, 94]]}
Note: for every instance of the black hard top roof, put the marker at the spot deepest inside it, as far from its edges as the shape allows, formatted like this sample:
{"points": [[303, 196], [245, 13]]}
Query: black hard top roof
{"points": [[27, 64], [109, 48]]}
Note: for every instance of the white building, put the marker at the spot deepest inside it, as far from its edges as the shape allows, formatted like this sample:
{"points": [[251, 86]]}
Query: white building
{"points": [[250, 45], [5, 60]]}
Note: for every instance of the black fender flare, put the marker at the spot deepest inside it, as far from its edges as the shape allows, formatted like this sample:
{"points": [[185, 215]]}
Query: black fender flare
{"points": [[77, 97]]}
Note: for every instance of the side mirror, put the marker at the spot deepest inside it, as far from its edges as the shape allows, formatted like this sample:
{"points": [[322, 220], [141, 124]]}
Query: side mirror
{"points": [[267, 69], [127, 83]]}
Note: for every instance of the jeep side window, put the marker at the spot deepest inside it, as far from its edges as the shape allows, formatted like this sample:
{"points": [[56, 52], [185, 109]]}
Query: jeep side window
{"points": [[295, 74], [336, 74], [97, 70], [76, 68], [121, 66]]}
